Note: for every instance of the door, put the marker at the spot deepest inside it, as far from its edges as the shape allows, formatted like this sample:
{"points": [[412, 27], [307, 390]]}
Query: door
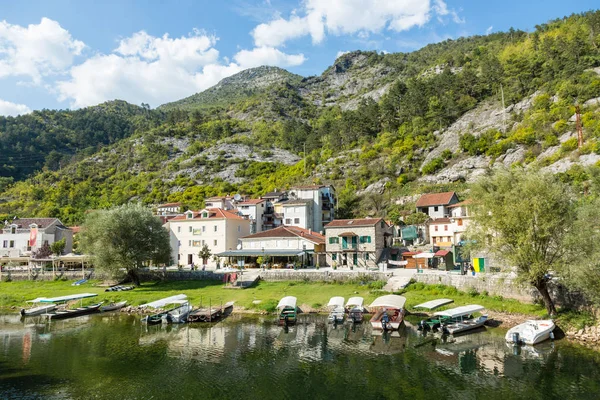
{"points": [[354, 241], [355, 258], [190, 259], [344, 242]]}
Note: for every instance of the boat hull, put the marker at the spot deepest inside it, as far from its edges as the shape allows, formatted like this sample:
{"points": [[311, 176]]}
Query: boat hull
{"points": [[113, 307], [76, 312], [531, 332], [465, 326], [38, 310], [395, 320]]}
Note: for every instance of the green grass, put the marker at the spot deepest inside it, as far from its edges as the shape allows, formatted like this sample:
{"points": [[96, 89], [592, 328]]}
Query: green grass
{"points": [[417, 293]]}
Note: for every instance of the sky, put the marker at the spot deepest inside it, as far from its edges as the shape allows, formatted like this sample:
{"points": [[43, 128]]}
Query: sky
{"points": [[69, 54]]}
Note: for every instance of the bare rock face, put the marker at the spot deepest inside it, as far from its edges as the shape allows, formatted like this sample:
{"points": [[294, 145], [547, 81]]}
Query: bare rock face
{"points": [[464, 170], [512, 156], [564, 164], [377, 187]]}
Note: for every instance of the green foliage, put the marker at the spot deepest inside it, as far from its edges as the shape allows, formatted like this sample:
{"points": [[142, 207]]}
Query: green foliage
{"points": [[125, 238], [58, 247], [569, 144], [433, 166]]}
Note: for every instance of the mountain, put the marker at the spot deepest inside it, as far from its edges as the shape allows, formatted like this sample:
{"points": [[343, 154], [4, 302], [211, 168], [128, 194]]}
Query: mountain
{"points": [[380, 127]]}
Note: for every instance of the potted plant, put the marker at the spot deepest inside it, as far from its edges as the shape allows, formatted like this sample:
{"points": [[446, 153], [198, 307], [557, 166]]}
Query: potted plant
{"points": [[334, 265]]}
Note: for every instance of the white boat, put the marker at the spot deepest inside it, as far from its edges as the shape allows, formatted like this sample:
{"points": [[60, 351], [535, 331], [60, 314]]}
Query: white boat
{"points": [[287, 310], [390, 312], [530, 332], [48, 303], [39, 310], [356, 309], [460, 319], [338, 312], [163, 302], [179, 315], [433, 304]]}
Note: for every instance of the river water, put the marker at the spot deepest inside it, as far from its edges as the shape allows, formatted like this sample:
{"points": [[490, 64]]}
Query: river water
{"points": [[114, 356]]}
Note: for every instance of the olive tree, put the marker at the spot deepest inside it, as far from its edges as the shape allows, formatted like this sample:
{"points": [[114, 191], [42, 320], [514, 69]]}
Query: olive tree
{"points": [[121, 240], [527, 218]]}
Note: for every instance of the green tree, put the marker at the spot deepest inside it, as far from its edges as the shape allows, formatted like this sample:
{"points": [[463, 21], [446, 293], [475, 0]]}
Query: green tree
{"points": [[204, 254], [58, 247], [122, 239], [526, 218], [417, 218]]}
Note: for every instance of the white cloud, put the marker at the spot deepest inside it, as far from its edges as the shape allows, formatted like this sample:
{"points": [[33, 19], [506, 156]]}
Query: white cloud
{"points": [[489, 30], [156, 70], [13, 109], [340, 53], [267, 56], [339, 17], [36, 51]]}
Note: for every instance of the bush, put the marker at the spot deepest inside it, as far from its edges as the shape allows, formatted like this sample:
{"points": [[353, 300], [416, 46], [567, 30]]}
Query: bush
{"points": [[569, 145], [447, 154], [433, 166], [472, 292]]}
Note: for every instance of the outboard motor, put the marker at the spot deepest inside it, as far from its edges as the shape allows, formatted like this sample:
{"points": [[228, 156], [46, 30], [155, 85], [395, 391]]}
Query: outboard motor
{"points": [[515, 338], [551, 335]]}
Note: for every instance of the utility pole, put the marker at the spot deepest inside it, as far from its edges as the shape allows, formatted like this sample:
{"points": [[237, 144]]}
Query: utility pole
{"points": [[503, 111], [578, 125]]}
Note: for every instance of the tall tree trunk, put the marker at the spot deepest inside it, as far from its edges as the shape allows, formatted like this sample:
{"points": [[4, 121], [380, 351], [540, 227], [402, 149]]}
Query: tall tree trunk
{"points": [[542, 287], [134, 277]]}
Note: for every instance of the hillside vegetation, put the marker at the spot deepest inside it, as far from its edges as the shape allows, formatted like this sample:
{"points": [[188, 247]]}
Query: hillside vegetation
{"points": [[381, 127]]}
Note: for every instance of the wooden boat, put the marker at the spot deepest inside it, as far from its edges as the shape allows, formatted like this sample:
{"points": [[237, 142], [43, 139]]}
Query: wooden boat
{"points": [[338, 312], [49, 304], [287, 311], [178, 312], [211, 314], [460, 319], [390, 312], [39, 310], [113, 306], [530, 332], [75, 312], [119, 288], [79, 282], [435, 321], [355, 309]]}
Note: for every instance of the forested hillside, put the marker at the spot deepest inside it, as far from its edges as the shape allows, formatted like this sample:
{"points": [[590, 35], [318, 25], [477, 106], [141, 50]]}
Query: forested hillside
{"points": [[378, 126]]}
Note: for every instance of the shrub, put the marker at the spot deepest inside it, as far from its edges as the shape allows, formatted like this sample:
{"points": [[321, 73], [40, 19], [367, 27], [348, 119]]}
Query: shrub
{"points": [[447, 154], [472, 292], [433, 166], [569, 145]]}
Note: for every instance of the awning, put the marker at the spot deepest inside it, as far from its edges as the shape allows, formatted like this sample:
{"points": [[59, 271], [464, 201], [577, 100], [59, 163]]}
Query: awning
{"points": [[346, 234], [266, 252], [167, 300], [423, 255], [390, 300], [441, 253], [433, 304], [288, 301], [337, 301]]}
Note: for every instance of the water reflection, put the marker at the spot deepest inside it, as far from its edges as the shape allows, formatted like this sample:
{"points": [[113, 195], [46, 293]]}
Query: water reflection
{"points": [[253, 356]]}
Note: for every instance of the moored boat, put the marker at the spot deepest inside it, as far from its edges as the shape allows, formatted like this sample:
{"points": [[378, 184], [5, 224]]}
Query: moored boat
{"points": [[178, 312], [49, 304], [355, 309], [461, 319], [338, 312], [210, 314], [433, 322], [75, 312], [530, 332], [113, 306], [287, 311], [390, 312], [39, 310]]}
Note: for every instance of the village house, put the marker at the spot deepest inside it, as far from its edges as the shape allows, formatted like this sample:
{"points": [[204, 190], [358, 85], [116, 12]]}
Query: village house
{"points": [[219, 229], [280, 247], [168, 209], [298, 212], [449, 231], [362, 243], [436, 205], [22, 236], [323, 199], [222, 202], [273, 216], [254, 210]]}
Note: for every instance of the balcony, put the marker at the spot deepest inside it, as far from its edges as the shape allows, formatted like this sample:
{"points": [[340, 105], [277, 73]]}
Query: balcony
{"points": [[349, 246]]}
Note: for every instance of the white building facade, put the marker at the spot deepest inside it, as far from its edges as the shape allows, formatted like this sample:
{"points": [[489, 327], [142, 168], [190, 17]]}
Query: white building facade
{"points": [[21, 237]]}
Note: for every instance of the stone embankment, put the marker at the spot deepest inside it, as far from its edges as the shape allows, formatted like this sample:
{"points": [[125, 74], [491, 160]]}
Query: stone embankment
{"points": [[590, 335]]}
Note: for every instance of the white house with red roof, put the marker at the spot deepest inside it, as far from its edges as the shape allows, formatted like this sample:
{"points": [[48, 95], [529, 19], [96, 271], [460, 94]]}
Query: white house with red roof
{"points": [[449, 231], [21, 236], [436, 205], [219, 229]]}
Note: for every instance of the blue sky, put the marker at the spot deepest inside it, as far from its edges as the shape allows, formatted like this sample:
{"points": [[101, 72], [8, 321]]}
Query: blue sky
{"points": [[75, 53]]}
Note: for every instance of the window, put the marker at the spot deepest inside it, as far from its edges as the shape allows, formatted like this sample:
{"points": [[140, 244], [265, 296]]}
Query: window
{"points": [[436, 228], [5, 244], [445, 227], [333, 257], [366, 256], [190, 243], [215, 228], [45, 243], [204, 214], [190, 229], [365, 239], [204, 229], [11, 244], [382, 224], [239, 228], [296, 220], [215, 242], [189, 215], [178, 229], [355, 258], [334, 240], [13, 230], [435, 209], [179, 243], [288, 221], [459, 222]]}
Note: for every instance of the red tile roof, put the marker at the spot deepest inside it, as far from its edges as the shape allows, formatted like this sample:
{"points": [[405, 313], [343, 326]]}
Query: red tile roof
{"points": [[75, 229], [347, 234], [289, 231], [213, 213], [169, 205], [462, 203], [439, 221], [435, 199], [253, 201], [441, 253], [339, 223]]}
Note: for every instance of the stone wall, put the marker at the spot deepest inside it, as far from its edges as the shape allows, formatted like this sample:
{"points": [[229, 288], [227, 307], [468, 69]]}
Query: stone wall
{"points": [[179, 276], [46, 276], [495, 285], [318, 276]]}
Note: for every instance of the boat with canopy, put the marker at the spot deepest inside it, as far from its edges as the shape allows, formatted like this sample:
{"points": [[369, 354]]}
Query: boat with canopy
{"points": [[435, 321], [460, 319], [338, 312], [356, 309], [49, 304], [390, 312], [287, 310], [177, 314], [433, 304]]}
